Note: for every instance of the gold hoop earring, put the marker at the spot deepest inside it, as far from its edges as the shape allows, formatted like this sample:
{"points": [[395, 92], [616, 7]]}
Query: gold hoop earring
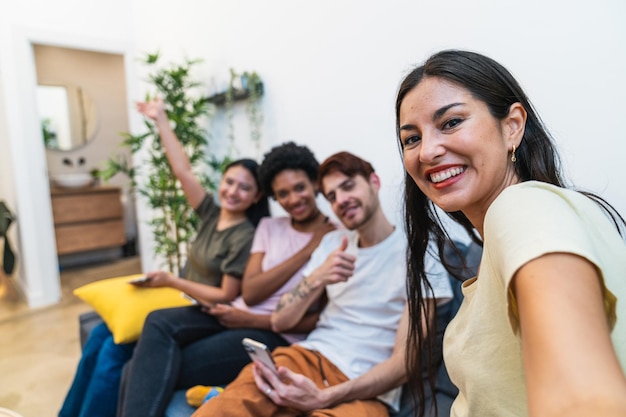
{"points": [[513, 158]]}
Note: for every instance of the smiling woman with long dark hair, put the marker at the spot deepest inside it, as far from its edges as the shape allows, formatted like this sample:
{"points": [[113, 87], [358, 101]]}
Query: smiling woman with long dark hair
{"points": [[539, 332]]}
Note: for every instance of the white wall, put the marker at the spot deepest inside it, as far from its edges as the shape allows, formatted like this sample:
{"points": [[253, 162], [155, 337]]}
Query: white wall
{"points": [[104, 27], [331, 68]]}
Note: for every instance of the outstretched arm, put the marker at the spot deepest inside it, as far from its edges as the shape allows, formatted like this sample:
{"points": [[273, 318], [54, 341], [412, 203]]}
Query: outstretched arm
{"points": [[176, 156], [565, 337], [381, 378]]}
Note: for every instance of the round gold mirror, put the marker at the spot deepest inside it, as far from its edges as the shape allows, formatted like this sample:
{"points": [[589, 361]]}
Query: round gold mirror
{"points": [[68, 116]]}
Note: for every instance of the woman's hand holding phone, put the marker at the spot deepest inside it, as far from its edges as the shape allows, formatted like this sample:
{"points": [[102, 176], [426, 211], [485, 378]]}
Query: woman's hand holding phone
{"points": [[139, 281]]}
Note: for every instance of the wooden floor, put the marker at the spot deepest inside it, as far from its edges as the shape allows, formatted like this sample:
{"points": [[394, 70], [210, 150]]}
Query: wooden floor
{"points": [[39, 348]]}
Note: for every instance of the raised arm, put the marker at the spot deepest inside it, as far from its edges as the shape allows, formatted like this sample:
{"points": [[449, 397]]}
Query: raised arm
{"points": [[176, 156], [258, 285], [570, 364], [292, 306]]}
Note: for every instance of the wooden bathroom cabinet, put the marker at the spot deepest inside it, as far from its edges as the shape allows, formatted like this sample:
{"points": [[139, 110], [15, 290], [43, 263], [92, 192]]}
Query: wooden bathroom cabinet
{"points": [[87, 218]]}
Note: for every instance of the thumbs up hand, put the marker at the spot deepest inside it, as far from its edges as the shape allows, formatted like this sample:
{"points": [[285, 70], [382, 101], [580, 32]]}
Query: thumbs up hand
{"points": [[338, 267], [344, 244]]}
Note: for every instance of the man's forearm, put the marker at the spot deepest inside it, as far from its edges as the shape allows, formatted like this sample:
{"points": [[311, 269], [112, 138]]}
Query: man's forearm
{"points": [[383, 377], [293, 305]]}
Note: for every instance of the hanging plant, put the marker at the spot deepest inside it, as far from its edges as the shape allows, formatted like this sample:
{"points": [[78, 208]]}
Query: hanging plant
{"points": [[252, 82], [228, 106], [246, 86]]}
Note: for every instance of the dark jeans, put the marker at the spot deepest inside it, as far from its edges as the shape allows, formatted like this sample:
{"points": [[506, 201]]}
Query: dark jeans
{"points": [[445, 391], [95, 388], [180, 348]]}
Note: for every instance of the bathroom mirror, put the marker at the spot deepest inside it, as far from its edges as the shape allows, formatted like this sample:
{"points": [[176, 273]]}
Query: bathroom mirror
{"points": [[68, 116]]}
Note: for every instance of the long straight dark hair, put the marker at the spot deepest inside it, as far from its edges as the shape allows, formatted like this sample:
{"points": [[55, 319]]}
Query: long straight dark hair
{"points": [[537, 159]]}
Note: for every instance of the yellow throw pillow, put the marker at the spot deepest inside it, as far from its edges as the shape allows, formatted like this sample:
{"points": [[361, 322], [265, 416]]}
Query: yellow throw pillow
{"points": [[124, 307]]}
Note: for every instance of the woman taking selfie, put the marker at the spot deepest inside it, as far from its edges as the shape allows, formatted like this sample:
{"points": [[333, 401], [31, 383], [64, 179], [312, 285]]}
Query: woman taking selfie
{"points": [[540, 331]]}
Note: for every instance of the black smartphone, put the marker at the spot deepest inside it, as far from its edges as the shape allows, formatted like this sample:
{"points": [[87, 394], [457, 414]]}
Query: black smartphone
{"points": [[258, 350], [141, 280]]}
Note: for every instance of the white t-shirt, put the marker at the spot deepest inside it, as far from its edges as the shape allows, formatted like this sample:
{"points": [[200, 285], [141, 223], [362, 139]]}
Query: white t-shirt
{"points": [[482, 345], [357, 328]]}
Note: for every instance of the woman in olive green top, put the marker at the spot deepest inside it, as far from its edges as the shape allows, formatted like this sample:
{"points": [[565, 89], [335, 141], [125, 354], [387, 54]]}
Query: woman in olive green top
{"points": [[242, 205], [217, 261]]}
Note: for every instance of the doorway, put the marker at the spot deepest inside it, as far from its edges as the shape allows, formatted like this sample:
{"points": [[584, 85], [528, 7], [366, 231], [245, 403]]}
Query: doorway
{"points": [[80, 133]]}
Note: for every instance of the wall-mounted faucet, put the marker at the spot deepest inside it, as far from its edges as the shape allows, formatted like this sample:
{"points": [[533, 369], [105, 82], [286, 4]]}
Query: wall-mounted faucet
{"points": [[67, 161]]}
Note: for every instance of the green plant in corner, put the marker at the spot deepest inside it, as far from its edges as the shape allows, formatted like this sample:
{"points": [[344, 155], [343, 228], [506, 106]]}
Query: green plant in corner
{"points": [[174, 223]]}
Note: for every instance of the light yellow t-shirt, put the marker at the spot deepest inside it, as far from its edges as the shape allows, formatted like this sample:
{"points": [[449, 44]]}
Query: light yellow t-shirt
{"points": [[482, 345]]}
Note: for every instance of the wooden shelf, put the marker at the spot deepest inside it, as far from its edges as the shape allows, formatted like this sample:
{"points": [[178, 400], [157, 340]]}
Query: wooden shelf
{"points": [[219, 99]]}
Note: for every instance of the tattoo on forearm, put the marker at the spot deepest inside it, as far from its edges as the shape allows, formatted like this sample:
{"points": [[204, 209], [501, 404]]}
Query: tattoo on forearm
{"points": [[300, 292]]}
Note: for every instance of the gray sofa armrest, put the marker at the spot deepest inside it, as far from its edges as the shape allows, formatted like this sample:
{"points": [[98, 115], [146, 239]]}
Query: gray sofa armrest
{"points": [[87, 321]]}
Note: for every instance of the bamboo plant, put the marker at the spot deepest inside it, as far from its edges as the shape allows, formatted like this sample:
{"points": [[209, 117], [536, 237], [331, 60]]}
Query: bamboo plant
{"points": [[174, 222]]}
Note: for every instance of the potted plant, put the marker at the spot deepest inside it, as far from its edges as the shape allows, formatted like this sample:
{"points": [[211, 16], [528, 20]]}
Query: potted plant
{"points": [[8, 288], [174, 223]]}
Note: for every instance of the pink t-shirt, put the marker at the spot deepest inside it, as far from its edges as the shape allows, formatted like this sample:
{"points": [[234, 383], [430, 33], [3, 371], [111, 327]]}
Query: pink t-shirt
{"points": [[278, 241]]}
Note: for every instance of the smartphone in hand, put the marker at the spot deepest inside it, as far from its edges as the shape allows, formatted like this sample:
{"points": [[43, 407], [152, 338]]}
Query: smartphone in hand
{"points": [[259, 351], [197, 302], [190, 298], [138, 281]]}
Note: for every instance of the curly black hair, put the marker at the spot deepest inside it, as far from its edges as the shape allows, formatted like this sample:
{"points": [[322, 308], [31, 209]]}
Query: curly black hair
{"points": [[286, 156]]}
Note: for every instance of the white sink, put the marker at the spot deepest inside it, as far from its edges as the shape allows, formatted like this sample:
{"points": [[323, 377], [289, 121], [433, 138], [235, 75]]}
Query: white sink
{"points": [[75, 180]]}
